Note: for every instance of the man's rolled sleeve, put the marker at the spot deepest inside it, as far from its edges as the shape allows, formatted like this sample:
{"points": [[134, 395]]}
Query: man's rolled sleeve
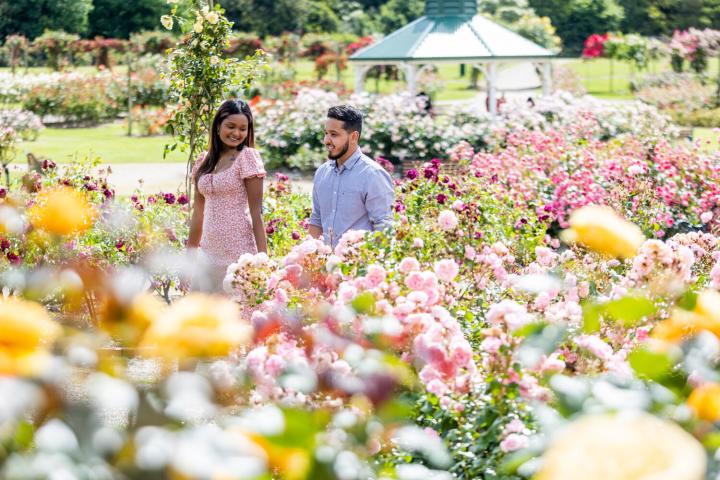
{"points": [[380, 200]]}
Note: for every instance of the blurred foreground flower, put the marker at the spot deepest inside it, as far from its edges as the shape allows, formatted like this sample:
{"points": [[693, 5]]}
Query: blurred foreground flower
{"points": [[623, 446], [686, 323], [602, 230], [26, 333], [62, 211], [127, 322], [705, 402], [198, 326]]}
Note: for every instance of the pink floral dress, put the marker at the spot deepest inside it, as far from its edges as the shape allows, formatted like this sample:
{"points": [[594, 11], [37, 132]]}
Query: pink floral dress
{"points": [[227, 230]]}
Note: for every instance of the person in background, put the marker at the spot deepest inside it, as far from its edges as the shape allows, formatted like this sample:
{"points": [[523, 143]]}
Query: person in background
{"points": [[350, 190], [227, 211]]}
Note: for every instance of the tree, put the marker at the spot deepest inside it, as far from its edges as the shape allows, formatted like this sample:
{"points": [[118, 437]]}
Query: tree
{"points": [[120, 18], [575, 20], [32, 17], [266, 17], [398, 13]]}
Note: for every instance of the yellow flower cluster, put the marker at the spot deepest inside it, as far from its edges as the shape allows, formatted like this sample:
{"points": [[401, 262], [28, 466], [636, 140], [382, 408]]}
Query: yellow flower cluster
{"points": [[685, 323], [26, 335], [631, 445], [127, 322], [62, 211], [600, 229], [197, 326]]}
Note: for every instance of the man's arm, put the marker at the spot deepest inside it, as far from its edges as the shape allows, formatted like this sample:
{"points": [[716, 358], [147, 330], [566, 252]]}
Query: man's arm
{"points": [[315, 228], [380, 200]]}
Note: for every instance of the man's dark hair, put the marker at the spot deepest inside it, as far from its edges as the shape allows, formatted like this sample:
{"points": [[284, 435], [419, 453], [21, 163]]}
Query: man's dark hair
{"points": [[351, 117]]}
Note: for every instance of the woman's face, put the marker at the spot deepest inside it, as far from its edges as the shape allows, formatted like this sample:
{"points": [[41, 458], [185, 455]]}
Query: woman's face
{"points": [[234, 130]]}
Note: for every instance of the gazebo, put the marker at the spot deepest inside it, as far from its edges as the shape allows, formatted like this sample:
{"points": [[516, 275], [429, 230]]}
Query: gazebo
{"points": [[451, 31]]}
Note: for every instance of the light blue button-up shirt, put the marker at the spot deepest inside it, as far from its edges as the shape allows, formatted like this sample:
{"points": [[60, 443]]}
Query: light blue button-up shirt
{"points": [[359, 195]]}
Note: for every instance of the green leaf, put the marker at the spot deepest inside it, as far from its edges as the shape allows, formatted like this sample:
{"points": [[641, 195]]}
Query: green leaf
{"points": [[629, 310], [591, 318], [24, 435], [301, 428], [688, 300], [650, 364], [364, 303]]}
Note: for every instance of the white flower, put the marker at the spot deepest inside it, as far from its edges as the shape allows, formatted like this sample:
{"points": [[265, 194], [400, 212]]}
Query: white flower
{"points": [[214, 60], [212, 18], [170, 2], [198, 27], [167, 21]]}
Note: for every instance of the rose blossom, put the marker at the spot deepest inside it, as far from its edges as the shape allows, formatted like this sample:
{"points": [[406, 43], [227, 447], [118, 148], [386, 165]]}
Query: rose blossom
{"points": [[447, 220], [514, 442], [408, 264], [446, 270]]}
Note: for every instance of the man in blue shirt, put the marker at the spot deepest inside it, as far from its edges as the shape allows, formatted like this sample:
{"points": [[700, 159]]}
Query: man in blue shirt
{"points": [[350, 191]]}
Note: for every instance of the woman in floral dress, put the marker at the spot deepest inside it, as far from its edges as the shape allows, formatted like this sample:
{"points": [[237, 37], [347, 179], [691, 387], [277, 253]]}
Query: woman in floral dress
{"points": [[227, 211]]}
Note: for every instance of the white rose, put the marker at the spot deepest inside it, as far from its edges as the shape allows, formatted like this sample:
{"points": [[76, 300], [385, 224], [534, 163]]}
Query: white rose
{"points": [[214, 60], [212, 18], [167, 21], [198, 27]]}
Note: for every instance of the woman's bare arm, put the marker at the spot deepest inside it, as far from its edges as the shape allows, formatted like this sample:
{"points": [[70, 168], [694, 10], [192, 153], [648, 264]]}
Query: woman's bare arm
{"points": [[254, 188], [196, 221]]}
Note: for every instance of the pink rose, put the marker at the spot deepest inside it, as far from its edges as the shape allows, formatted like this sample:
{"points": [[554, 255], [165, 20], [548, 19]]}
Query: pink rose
{"points": [[514, 442], [706, 217], [415, 281], [408, 264], [491, 345], [446, 270], [447, 220], [418, 243], [375, 275]]}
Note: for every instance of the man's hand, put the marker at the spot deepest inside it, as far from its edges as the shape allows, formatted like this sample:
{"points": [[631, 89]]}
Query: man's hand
{"points": [[315, 231]]}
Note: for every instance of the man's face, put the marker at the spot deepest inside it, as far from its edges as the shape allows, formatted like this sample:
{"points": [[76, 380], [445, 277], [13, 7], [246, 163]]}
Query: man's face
{"points": [[337, 140]]}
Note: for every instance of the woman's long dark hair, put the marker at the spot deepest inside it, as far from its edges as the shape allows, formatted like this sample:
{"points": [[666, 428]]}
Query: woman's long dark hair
{"points": [[227, 108]]}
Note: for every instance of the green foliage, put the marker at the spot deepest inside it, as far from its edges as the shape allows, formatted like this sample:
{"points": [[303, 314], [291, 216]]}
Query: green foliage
{"points": [[575, 20], [266, 17], [200, 78], [32, 17], [120, 18], [397, 13], [519, 17]]}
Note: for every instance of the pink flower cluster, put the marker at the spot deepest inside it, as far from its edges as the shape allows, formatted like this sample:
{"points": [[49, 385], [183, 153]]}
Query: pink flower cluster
{"points": [[552, 173]]}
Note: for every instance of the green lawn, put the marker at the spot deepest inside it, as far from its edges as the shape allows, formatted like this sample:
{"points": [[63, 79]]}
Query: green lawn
{"points": [[709, 140], [109, 141], [596, 75], [456, 87]]}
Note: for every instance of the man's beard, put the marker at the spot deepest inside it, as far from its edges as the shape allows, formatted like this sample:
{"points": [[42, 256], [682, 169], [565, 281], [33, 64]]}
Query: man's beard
{"points": [[342, 152]]}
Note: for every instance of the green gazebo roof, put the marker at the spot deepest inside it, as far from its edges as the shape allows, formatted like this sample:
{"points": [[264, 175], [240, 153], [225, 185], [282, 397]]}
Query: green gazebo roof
{"points": [[451, 31]]}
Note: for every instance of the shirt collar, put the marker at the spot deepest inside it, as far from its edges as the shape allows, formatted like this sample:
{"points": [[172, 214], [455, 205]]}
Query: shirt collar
{"points": [[350, 162]]}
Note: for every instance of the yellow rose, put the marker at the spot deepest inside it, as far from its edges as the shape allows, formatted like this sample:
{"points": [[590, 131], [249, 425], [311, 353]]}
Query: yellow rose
{"points": [[684, 323], [198, 326], [705, 402], [62, 211], [26, 332], [629, 445], [127, 323], [602, 230]]}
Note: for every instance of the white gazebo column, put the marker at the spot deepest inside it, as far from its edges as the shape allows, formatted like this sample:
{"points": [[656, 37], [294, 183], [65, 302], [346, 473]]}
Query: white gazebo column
{"points": [[491, 79], [411, 75], [360, 72], [547, 80]]}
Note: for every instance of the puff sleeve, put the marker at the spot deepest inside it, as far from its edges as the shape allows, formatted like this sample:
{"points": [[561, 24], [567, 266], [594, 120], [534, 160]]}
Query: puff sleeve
{"points": [[250, 164]]}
